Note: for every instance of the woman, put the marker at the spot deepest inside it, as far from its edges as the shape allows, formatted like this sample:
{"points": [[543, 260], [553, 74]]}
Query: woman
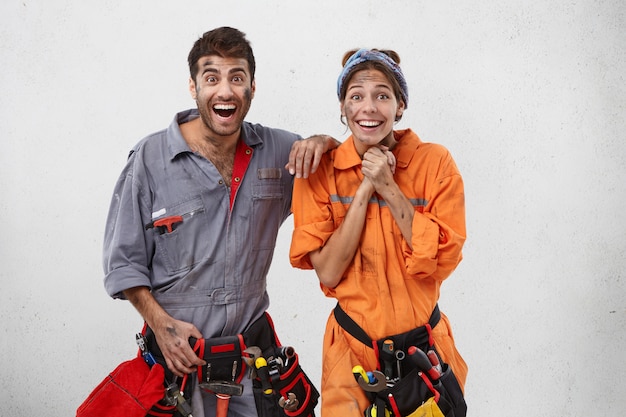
{"points": [[382, 222]]}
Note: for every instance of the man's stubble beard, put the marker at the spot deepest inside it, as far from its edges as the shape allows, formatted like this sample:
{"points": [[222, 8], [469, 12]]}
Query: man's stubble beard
{"points": [[206, 112]]}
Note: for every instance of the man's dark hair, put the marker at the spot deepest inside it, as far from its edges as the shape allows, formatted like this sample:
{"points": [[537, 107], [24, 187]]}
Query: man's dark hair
{"points": [[225, 42]]}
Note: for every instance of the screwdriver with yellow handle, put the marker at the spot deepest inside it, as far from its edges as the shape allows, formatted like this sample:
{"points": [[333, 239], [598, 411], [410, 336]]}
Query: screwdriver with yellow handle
{"points": [[264, 374], [359, 371]]}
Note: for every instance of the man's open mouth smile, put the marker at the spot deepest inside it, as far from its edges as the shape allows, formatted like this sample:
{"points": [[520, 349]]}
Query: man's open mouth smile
{"points": [[224, 110]]}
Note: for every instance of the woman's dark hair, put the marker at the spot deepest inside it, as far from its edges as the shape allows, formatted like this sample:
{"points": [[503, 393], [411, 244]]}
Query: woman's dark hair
{"points": [[376, 65]]}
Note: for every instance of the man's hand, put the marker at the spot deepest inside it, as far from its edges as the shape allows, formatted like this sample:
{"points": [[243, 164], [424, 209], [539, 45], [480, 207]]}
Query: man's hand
{"points": [[173, 340], [172, 335], [306, 154]]}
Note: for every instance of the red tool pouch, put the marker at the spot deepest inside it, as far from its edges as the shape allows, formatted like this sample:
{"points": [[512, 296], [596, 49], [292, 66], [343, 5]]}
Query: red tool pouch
{"points": [[131, 390]]}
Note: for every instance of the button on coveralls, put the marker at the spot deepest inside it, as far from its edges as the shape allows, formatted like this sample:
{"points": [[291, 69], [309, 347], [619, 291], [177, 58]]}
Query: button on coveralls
{"points": [[388, 288]]}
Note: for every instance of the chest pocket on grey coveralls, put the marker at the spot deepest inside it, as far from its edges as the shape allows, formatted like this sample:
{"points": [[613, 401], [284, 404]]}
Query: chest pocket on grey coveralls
{"points": [[267, 207], [187, 244]]}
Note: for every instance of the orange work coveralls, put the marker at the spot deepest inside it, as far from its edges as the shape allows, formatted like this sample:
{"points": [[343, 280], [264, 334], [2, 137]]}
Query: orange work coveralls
{"points": [[388, 288]]}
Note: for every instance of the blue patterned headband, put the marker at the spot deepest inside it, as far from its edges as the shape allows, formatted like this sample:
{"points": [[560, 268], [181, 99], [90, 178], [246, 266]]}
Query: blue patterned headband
{"points": [[363, 55]]}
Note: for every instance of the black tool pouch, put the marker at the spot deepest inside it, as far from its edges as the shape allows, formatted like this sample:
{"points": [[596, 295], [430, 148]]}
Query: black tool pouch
{"points": [[292, 393], [451, 392], [405, 396], [414, 388], [225, 368], [411, 386], [288, 391], [224, 364]]}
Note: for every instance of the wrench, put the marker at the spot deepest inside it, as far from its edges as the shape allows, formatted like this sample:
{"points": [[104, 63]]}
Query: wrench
{"points": [[289, 404], [379, 382], [250, 355]]}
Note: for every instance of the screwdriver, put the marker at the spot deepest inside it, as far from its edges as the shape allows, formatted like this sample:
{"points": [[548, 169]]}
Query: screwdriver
{"points": [[388, 355], [359, 371], [434, 359], [264, 374], [421, 361]]}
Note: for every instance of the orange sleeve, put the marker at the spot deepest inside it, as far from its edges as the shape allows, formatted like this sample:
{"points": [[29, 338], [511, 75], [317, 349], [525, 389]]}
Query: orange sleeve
{"points": [[439, 232], [312, 215]]}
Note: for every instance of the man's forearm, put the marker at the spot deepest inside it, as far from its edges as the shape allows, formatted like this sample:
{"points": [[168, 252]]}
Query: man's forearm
{"points": [[143, 301]]}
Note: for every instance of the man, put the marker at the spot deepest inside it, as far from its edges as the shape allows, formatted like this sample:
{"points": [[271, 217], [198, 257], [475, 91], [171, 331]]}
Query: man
{"points": [[195, 213]]}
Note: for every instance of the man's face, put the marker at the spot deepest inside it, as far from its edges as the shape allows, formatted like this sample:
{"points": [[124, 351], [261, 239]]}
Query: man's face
{"points": [[223, 90]]}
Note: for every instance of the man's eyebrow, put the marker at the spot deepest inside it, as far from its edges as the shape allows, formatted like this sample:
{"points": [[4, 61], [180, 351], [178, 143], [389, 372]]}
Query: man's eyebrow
{"points": [[209, 67], [237, 69]]}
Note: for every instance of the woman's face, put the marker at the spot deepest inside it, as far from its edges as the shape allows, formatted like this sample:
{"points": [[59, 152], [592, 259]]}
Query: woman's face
{"points": [[371, 108]]}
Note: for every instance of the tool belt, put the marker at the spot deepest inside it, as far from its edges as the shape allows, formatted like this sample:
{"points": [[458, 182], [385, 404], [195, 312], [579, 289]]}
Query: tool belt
{"points": [[280, 386], [413, 377]]}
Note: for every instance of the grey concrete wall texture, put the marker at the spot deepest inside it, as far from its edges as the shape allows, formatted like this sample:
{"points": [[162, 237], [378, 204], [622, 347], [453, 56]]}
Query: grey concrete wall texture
{"points": [[529, 96]]}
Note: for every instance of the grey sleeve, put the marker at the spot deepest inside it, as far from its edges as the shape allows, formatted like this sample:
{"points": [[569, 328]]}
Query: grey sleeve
{"points": [[127, 250]]}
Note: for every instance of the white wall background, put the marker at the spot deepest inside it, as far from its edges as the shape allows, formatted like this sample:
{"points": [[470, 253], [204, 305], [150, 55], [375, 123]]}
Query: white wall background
{"points": [[529, 96]]}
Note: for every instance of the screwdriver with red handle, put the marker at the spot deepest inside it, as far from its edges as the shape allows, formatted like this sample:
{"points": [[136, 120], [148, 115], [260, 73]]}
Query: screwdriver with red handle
{"points": [[421, 361], [434, 359]]}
